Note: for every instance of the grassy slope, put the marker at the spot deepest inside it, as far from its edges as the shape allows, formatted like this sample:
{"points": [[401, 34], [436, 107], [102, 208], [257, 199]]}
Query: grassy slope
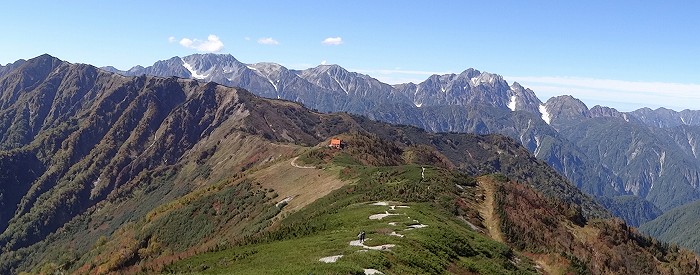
{"points": [[423, 250], [326, 226]]}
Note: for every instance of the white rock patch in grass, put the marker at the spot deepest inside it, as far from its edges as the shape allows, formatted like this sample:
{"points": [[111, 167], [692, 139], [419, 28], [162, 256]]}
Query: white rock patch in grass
{"points": [[378, 247], [369, 271], [416, 226], [330, 259], [381, 216]]}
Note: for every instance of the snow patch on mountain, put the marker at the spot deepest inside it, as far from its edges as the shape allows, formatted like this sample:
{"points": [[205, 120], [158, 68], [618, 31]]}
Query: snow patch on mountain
{"points": [[691, 143], [545, 114], [273, 84], [192, 71], [511, 104], [537, 148], [340, 85], [483, 78]]}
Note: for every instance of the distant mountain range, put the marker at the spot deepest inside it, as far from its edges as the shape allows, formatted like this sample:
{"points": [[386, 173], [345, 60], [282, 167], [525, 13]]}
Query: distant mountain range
{"points": [[647, 153]]}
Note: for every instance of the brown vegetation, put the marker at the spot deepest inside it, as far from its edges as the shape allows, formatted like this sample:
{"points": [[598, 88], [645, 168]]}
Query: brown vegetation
{"points": [[553, 229]]}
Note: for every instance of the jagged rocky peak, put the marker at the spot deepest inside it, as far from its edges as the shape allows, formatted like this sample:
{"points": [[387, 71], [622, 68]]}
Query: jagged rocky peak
{"points": [[603, 111], [336, 78], [522, 99], [439, 82], [564, 108], [210, 59], [516, 87], [465, 80], [316, 74], [486, 78], [469, 73], [271, 71], [169, 67], [203, 66], [173, 61], [111, 69], [332, 69], [667, 118], [468, 87], [266, 67], [137, 69]]}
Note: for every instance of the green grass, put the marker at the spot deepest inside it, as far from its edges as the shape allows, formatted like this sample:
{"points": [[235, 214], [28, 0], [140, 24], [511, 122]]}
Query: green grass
{"points": [[326, 227], [425, 250]]}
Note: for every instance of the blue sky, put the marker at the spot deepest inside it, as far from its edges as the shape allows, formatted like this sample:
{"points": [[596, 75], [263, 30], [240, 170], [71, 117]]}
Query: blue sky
{"points": [[623, 54]]}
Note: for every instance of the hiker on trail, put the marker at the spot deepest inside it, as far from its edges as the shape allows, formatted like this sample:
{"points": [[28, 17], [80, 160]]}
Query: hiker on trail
{"points": [[361, 237]]}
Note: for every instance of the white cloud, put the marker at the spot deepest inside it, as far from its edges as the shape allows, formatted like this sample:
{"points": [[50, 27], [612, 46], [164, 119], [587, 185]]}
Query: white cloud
{"points": [[624, 95], [186, 42], [246, 38], [212, 44], [332, 41], [268, 41], [323, 62], [172, 39]]}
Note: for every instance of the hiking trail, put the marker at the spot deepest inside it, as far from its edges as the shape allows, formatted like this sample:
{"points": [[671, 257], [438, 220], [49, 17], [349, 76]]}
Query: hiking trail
{"points": [[293, 163], [487, 209]]}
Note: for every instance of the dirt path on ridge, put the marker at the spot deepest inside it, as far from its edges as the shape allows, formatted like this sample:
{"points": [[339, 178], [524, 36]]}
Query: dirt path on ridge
{"points": [[487, 210], [293, 163]]}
